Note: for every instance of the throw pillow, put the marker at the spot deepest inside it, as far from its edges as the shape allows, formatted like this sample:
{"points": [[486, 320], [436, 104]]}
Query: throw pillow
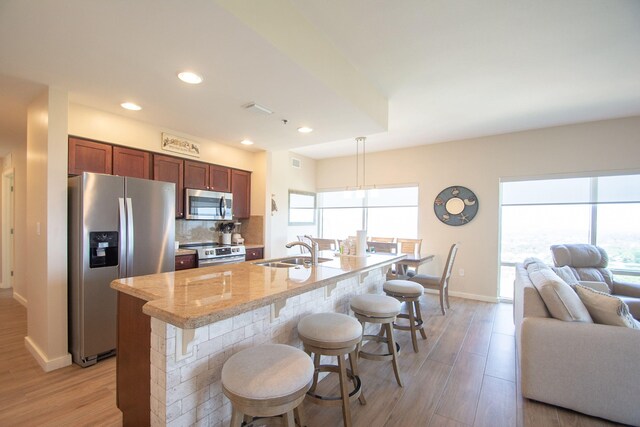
{"points": [[561, 301], [566, 274], [596, 286], [606, 309]]}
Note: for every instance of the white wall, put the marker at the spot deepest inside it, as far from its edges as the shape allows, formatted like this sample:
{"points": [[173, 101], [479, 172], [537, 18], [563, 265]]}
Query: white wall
{"points": [[46, 225], [282, 177], [479, 164]]}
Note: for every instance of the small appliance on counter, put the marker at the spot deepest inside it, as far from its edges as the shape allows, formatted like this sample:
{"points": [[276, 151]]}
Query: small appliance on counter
{"points": [[236, 237]]}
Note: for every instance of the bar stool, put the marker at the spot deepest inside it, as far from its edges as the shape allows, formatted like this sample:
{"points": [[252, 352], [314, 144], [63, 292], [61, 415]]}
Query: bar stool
{"points": [[379, 309], [333, 334], [267, 381], [409, 292]]}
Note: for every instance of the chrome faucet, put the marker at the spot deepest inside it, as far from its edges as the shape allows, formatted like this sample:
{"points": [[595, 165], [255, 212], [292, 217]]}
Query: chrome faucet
{"points": [[312, 248]]}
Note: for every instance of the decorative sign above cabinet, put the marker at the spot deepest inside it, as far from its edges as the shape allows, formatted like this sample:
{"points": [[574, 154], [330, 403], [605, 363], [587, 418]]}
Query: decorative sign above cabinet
{"points": [[180, 145], [456, 205]]}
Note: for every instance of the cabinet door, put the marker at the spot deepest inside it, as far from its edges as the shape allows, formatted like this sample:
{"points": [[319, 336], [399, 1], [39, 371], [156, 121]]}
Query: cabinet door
{"points": [[89, 156], [254, 253], [241, 189], [184, 262], [196, 175], [170, 169], [130, 162], [219, 178]]}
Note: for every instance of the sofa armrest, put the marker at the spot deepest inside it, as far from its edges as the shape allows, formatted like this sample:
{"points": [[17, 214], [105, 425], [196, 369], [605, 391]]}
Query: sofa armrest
{"points": [[626, 288], [589, 368]]}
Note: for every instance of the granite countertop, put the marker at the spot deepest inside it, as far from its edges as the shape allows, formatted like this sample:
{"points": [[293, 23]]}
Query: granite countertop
{"points": [[185, 252], [200, 296]]}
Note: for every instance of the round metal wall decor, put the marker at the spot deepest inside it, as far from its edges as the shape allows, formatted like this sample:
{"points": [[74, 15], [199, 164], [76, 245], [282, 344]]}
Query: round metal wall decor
{"points": [[456, 205]]}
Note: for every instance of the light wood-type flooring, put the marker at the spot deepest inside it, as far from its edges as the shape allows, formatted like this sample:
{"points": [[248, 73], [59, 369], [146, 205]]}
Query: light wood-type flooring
{"points": [[465, 374]]}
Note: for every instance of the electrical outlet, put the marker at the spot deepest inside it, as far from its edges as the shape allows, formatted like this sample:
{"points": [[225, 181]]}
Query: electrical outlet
{"points": [[461, 272]]}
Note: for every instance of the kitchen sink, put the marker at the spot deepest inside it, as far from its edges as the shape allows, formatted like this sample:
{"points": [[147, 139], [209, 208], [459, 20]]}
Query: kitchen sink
{"points": [[290, 262]]}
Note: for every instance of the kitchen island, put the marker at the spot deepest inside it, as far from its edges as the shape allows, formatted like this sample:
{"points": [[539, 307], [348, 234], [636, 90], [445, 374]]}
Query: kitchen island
{"points": [[176, 330]]}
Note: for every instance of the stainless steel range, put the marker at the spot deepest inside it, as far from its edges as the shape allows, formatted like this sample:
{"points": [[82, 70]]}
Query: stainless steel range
{"points": [[211, 254]]}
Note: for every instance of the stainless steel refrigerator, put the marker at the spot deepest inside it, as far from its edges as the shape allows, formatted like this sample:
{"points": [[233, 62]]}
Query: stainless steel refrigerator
{"points": [[118, 227]]}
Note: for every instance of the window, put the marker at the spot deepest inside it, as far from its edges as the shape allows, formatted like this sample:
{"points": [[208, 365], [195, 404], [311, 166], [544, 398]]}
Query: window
{"points": [[603, 211], [385, 212], [302, 208]]}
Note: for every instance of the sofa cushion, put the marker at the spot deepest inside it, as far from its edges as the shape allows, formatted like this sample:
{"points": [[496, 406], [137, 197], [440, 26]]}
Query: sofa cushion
{"points": [[606, 309], [579, 256], [561, 301]]}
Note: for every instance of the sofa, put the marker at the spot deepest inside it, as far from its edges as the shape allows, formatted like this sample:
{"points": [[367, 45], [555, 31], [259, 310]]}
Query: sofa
{"points": [[576, 364]]}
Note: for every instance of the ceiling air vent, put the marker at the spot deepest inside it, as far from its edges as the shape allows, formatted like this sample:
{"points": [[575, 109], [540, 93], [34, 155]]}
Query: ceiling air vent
{"points": [[296, 163], [257, 108]]}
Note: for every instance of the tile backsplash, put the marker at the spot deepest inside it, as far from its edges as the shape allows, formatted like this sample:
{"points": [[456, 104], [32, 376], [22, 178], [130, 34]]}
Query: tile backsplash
{"points": [[195, 231]]}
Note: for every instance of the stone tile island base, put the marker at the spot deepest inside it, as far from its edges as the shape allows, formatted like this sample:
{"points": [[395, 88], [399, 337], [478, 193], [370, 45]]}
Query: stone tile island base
{"points": [[186, 388]]}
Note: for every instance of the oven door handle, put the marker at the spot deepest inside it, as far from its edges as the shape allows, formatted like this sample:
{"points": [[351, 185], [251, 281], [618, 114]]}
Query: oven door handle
{"points": [[221, 261]]}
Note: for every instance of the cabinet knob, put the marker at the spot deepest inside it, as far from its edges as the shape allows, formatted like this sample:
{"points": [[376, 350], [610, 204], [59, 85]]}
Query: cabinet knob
{"points": [[181, 262]]}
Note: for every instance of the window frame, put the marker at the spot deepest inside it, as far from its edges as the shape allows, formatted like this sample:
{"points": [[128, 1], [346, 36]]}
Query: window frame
{"points": [[314, 208], [593, 223]]}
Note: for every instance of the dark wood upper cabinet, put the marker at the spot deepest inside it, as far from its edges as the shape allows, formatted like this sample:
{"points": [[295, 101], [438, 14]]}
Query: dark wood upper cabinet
{"points": [[219, 178], [130, 162], [196, 175], [241, 189], [89, 156], [170, 169]]}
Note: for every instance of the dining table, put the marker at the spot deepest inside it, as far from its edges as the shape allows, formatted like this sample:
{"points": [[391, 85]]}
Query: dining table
{"points": [[411, 260]]}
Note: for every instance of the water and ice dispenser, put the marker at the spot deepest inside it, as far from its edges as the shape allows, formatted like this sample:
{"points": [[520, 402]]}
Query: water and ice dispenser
{"points": [[103, 249]]}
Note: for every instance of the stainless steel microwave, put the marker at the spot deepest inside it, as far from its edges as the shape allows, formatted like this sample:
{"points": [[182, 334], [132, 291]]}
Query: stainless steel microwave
{"points": [[202, 204]]}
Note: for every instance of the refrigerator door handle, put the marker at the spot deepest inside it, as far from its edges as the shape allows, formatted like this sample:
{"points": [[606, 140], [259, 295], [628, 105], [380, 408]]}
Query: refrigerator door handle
{"points": [[122, 240], [129, 237]]}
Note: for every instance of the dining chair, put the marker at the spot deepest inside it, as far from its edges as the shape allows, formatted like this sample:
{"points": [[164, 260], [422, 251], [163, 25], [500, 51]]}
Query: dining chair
{"points": [[383, 247], [441, 284], [325, 244], [409, 246], [382, 239], [306, 240]]}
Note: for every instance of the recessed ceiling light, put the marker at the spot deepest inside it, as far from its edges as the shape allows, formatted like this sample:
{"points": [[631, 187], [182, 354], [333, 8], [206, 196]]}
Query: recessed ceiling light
{"points": [[246, 142], [305, 129], [189, 77], [131, 106]]}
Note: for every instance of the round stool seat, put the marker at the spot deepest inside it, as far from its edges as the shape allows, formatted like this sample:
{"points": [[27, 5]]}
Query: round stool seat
{"points": [[332, 329], [403, 287], [376, 305], [267, 371]]}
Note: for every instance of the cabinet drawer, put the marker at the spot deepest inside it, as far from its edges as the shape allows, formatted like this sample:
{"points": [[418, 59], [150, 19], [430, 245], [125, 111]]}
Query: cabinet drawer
{"points": [[254, 253], [185, 261]]}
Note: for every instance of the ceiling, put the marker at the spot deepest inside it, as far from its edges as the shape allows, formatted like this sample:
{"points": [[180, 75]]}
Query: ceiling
{"points": [[401, 73]]}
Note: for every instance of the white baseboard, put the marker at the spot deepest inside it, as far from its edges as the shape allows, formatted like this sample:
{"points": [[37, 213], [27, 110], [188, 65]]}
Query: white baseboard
{"points": [[45, 363], [467, 296], [22, 300]]}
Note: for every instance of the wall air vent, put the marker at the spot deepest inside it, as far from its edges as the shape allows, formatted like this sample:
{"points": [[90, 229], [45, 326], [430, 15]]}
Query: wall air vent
{"points": [[257, 108], [296, 163]]}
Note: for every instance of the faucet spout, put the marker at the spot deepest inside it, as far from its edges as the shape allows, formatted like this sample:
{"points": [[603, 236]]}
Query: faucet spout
{"points": [[312, 248]]}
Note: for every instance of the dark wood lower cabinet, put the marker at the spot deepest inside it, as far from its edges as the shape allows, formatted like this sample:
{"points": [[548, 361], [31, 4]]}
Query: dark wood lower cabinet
{"points": [[133, 364]]}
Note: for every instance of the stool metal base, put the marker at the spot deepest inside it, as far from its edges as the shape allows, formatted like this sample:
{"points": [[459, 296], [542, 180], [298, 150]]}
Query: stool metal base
{"points": [[377, 356], [335, 400]]}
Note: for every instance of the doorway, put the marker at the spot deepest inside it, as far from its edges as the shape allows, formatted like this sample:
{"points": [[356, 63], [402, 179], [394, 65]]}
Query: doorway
{"points": [[7, 228]]}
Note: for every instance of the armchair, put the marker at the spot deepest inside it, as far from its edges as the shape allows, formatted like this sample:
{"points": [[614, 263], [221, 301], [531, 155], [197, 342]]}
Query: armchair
{"points": [[589, 263]]}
